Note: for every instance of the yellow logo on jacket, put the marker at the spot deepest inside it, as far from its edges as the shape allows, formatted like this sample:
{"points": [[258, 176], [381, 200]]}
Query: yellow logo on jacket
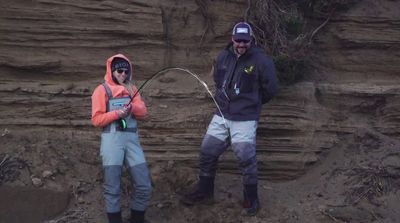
{"points": [[249, 69]]}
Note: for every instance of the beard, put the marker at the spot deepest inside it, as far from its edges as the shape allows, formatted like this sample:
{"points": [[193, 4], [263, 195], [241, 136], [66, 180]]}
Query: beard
{"points": [[241, 50]]}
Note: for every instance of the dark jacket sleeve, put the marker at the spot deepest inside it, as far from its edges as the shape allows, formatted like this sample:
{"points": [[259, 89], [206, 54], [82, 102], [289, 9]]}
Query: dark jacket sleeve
{"points": [[268, 81]]}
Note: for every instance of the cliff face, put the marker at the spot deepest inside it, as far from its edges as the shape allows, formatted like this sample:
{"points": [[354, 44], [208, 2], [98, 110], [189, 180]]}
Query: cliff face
{"points": [[71, 39], [53, 52]]}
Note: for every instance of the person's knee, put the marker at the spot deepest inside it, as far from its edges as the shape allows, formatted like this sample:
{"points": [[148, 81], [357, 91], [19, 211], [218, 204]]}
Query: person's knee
{"points": [[112, 180], [112, 190], [208, 154], [249, 169], [141, 196], [250, 179], [207, 157], [245, 152], [141, 180], [212, 146], [143, 191], [248, 163]]}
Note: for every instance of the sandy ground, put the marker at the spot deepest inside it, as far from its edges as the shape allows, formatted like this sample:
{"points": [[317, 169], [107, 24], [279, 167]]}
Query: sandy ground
{"points": [[357, 181]]}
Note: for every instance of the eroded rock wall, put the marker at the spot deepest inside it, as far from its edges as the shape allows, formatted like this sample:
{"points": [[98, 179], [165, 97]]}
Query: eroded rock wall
{"points": [[53, 52]]}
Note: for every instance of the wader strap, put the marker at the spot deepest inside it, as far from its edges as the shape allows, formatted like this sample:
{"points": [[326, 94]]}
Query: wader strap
{"points": [[109, 94]]}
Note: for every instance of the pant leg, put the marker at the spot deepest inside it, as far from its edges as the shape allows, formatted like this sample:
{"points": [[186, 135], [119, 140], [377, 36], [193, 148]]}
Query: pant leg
{"points": [[213, 145], [112, 153], [243, 135], [140, 174]]}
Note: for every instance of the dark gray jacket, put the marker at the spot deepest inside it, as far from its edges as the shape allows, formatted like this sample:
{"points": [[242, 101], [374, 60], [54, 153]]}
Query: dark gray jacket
{"points": [[244, 84]]}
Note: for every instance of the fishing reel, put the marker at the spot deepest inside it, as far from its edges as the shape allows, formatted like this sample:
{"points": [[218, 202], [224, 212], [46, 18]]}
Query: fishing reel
{"points": [[122, 125]]}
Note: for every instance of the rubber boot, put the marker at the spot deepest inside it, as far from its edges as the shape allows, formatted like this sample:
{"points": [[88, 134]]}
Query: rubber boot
{"points": [[137, 216], [250, 202], [114, 217], [203, 194]]}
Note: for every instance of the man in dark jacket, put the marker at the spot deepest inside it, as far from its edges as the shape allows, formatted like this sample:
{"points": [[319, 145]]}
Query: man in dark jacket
{"points": [[245, 80]]}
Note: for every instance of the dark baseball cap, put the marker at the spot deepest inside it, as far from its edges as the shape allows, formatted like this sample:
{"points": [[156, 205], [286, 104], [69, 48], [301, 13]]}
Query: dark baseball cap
{"points": [[242, 31]]}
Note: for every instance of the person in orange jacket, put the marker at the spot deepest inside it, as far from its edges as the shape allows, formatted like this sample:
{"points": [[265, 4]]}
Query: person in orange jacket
{"points": [[120, 143]]}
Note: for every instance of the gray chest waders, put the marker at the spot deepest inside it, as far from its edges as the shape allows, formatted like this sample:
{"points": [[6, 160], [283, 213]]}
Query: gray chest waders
{"points": [[119, 145], [128, 124]]}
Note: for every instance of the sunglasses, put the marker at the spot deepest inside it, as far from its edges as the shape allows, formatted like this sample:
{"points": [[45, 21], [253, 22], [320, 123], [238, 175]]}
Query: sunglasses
{"points": [[120, 71], [241, 41]]}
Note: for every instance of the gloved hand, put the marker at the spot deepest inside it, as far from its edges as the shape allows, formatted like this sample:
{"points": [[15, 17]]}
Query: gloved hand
{"points": [[125, 111]]}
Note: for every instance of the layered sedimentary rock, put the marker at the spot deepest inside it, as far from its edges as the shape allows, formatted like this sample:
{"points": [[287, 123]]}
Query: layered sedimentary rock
{"points": [[53, 52]]}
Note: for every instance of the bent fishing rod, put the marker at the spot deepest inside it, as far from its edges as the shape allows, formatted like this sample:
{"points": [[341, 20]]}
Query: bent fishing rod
{"points": [[153, 76]]}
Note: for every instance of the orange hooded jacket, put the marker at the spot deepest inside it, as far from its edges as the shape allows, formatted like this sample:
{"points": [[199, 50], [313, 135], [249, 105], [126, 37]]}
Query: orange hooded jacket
{"points": [[101, 118]]}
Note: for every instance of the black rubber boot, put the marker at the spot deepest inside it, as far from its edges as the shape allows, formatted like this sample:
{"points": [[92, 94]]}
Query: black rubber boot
{"points": [[114, 217], [251, 203], [203, 194], [137, 217]]}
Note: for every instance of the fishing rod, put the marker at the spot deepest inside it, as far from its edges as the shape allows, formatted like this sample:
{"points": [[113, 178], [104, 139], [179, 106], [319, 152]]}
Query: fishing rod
{"points": [[141, 86], [153, 76]]}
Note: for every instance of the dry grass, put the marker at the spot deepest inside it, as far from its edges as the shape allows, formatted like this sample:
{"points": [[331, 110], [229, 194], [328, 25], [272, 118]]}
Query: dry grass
{"points": [[10, 168], [76, 215], [371, 182], [280, 27]]}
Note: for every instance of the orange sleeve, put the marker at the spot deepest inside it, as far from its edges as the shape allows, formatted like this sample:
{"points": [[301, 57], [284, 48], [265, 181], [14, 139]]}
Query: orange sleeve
{"points": [[139, 108], [100, 117]]}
